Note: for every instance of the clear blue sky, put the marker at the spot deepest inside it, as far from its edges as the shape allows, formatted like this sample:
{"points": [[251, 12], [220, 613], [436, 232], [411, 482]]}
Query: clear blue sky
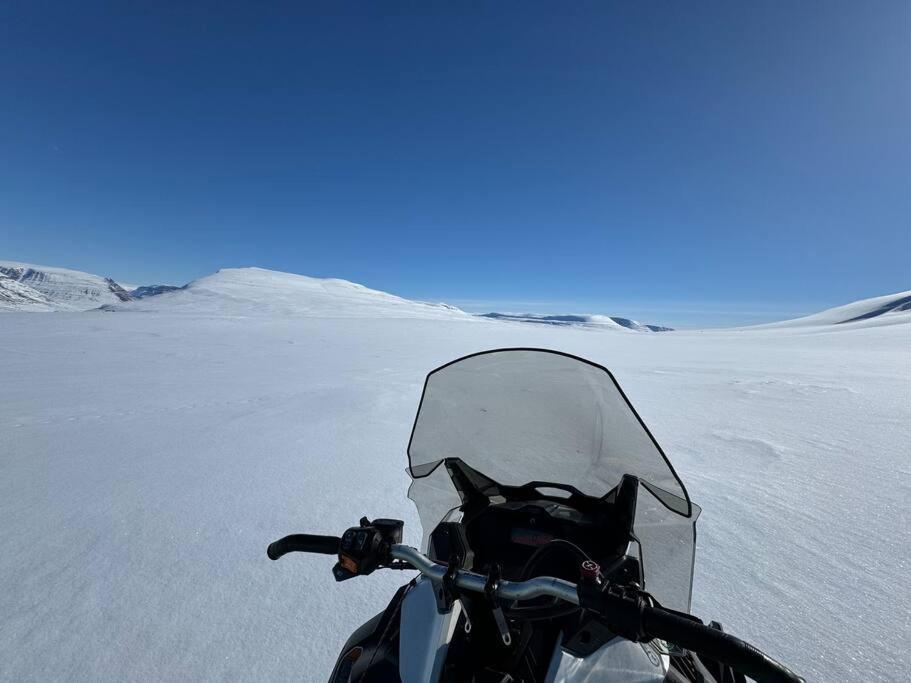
{"points": [[682, 163]]}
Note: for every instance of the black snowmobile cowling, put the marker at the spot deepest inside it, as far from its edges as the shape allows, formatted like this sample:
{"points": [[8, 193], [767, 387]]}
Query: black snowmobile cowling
{"points": [[558, 540]]}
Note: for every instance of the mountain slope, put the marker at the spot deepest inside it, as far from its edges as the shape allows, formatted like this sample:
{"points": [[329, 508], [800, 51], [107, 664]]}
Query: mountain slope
{"points": [[17, 296], [890, 309], [258, 292], [59, 289], [151, 290]]}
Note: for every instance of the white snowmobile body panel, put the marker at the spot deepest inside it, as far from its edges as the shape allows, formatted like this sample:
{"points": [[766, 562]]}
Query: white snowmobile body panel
{"points": [[425, 634], [617, 661]]}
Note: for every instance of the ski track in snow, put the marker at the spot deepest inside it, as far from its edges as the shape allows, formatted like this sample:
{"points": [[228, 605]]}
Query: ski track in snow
{"points": [[148, 458]]}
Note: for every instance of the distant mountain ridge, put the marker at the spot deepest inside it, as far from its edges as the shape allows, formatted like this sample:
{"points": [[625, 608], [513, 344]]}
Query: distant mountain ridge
{"points": [[578, 320], [152, 290], [247, 292]]}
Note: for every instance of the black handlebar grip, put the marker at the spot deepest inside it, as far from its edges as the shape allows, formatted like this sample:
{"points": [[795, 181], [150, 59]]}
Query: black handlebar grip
{"points": [[303, 543], [720, 646]]}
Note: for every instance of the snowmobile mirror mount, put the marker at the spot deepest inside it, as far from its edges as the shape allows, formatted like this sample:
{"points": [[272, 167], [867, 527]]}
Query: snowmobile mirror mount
{"points": [[476, 490], [449, 543], [490, 593], [448, 593]]}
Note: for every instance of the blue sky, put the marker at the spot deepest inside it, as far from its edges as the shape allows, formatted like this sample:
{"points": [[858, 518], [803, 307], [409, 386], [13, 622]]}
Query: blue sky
{"points": [[683, 163]]}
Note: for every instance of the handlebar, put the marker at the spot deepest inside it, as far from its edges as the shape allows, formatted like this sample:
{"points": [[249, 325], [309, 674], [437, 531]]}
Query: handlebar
{"points": [[718, 645], [538, 587], [628, 612], [303, 543]]}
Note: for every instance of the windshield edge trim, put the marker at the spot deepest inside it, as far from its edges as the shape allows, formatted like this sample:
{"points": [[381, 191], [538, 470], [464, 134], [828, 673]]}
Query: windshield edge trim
{"points": [[557, 353]]}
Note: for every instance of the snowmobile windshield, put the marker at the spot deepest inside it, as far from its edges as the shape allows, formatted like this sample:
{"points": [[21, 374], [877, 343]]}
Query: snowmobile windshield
{"points": [[530, 415]]}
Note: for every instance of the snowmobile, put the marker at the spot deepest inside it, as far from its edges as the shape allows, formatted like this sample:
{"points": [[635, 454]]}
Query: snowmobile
{"points": [[558, 544]]}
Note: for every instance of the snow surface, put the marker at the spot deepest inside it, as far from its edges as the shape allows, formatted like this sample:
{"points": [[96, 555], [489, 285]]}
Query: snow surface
{"points": [[60, 289], [148, 456]]}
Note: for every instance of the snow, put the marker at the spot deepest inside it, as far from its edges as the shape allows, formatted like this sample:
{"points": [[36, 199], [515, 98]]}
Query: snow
{"points": [[247, 292], [881, 310], [578, 320], [60, 289], [148, 455], [151, 290], [16, 296]]}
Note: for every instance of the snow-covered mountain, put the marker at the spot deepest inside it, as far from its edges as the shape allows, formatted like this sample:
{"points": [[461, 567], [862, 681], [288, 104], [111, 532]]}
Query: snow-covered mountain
{"points": [[242, 292], [890, 309], [27, 287], [245, 292], [258, 292], [602, 321]]}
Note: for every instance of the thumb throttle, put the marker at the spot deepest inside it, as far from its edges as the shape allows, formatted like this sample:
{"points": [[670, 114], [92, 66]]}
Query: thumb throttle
{"points": [[366, 547]]}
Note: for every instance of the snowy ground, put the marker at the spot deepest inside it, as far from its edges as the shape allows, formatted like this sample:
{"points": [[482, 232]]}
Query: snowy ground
{"points": [[147, 459]]}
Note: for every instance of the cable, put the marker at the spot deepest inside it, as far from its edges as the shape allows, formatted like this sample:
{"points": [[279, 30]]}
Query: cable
{"points": [[546, 549]]}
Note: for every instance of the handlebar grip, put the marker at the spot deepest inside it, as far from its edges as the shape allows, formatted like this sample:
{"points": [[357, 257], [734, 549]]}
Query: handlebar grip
{"points": [[303, 543], [718, 645]]}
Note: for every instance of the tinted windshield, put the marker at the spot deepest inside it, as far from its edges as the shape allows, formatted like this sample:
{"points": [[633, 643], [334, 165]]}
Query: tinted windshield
{"points": [[531, 415], [523, 415]]}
